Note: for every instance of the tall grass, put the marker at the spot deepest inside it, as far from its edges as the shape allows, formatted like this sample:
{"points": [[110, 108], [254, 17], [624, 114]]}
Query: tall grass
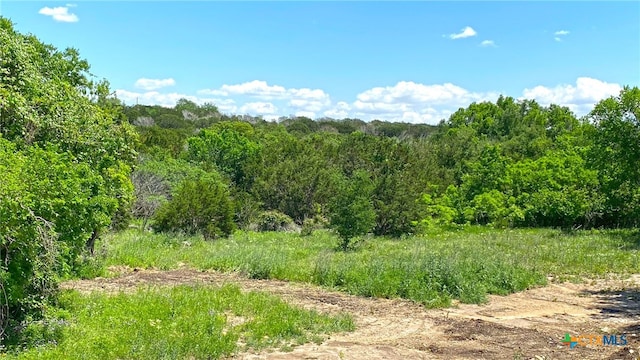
{"points": [[184, 322], [432, 269]]}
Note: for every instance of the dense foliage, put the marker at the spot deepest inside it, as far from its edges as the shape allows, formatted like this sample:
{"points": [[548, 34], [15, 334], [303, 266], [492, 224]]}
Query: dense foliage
{"points": [[351, 210], [66, 152], [199, 205], [616, 155], [508, 163], [273, 220]]}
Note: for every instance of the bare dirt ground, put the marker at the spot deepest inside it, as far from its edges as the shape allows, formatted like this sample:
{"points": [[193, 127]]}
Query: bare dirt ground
{"points": [[526, 325]]}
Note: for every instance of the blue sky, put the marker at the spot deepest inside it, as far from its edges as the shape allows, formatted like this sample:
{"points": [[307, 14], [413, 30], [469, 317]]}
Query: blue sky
{"points": [[397, 61]]}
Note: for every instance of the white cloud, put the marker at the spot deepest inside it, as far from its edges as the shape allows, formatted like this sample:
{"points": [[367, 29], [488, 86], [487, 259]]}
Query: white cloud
{"points": [[262, 90], [412, 102], [151, 97], [308, 94], [579, 98], [60, 13], [410, 92], [488, 43], [259, 108], [303, 100], [308, 105], [170, 99], [255, 88], [405, 101], [339, 111], [214, 92], [558, 34], [464, 33], [153, 84]]}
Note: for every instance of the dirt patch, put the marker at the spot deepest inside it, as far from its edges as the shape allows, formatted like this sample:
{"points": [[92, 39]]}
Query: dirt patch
{"points": [[526, 325]]}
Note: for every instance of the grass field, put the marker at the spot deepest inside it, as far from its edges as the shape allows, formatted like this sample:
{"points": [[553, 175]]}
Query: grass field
{"points": [[211, 322], [432, 269], [184, 322]]}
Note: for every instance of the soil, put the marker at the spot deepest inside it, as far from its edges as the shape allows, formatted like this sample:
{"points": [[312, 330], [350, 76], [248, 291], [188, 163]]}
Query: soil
{"points": [[525, 325]]}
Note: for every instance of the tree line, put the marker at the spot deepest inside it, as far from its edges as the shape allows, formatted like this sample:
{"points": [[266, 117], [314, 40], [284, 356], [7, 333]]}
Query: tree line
{"points": [[509, 163]]}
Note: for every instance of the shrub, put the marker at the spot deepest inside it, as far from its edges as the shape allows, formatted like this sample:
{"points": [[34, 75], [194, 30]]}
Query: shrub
{"points": [[199, 205], [49, 205], [155, 179], [229, 147], [274, 220], [438, 211], [313, 223], [351, 209]]}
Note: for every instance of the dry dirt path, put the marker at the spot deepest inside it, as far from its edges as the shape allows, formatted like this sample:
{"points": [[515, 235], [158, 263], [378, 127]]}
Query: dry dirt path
{"points": [[526, 325]]}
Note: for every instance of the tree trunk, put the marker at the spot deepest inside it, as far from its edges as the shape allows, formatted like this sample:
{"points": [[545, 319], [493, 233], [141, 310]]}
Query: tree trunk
{"points": [[92, 241]]}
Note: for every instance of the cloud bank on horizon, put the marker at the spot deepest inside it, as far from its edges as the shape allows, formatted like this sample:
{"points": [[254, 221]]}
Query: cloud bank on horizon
{"points": [[405, 101]]}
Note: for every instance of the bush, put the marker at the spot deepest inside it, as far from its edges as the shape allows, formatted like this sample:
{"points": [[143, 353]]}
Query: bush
{"points": [[351, 210], [313, 223], [199, 205], [439, 212], [229, 147], [274, 220], [155, 179], [49, 206]]}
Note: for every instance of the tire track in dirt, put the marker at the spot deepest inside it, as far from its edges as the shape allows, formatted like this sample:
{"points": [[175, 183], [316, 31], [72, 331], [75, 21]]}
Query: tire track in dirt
{"points": [[525, 325]]}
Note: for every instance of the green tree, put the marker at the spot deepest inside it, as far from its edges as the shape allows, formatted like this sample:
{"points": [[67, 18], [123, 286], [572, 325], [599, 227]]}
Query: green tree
{"points": [[391, 165], [199, 205], [351, 211], [294, 174], [156, 179], [616, 155], [49, 206], [154, 139], [557, 189], [48, 96], [488, 173], [202, 111], [68, 177], [230, 147]]}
